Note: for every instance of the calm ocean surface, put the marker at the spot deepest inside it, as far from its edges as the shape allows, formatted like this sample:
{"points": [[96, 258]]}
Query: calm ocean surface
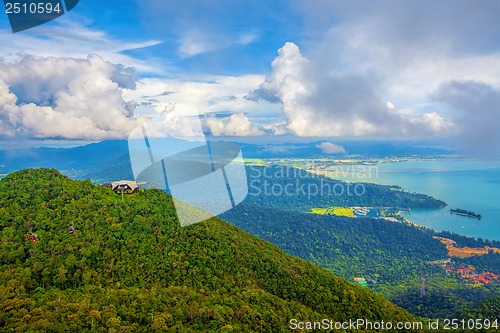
{"points": [[470, 185]]}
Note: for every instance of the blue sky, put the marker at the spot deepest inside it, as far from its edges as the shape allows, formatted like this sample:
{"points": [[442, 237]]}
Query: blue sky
{"points": [[231, 37], [384, 70]]}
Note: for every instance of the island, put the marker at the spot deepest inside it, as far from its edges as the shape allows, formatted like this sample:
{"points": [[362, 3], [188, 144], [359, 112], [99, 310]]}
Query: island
{"points": [[464, 212]]}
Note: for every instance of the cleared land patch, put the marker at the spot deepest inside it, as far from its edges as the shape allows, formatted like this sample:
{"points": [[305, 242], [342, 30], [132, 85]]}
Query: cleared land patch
{"points": [[334, 210]]}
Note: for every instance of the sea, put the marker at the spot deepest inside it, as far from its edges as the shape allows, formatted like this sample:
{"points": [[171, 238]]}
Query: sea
{"points": [[473, 185]]}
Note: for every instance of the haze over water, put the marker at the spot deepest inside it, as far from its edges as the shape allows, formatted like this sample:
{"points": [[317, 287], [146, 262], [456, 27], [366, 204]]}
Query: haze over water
{"points": [[470, 185]]}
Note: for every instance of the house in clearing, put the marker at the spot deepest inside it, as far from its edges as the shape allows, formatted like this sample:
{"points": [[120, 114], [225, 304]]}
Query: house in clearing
{"points": [[123, 186]]}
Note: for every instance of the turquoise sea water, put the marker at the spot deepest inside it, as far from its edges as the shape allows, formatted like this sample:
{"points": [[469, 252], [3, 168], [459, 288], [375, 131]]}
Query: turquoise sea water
{"points": [[471, 185]]}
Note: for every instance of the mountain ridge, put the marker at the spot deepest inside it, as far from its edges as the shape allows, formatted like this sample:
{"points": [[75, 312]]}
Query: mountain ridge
{"points": [[93, 154], [209, 276]]}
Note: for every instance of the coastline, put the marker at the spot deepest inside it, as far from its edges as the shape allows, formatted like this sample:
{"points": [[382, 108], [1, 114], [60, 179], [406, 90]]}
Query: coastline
{"points": [[466, 251], [453, 249], [460, 183]]}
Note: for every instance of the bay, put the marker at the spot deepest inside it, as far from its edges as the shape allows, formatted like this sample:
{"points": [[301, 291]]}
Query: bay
{"points": [[473, 185]]}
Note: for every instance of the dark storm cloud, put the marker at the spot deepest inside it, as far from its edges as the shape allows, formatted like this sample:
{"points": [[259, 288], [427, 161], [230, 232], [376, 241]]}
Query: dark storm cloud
{"points": [[477, 113]]}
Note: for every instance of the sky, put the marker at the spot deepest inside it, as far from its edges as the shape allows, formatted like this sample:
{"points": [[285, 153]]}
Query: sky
{"points": [[339, 70]]}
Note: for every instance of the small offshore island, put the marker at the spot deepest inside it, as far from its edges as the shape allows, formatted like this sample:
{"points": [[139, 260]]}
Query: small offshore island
{"points": [[464, 212]]}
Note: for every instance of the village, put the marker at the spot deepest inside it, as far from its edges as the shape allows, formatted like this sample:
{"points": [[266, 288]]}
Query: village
{"points": [[467, 272]]}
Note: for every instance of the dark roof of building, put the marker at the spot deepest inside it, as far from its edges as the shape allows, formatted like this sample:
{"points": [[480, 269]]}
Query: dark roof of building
{"points": [[124, 183]]}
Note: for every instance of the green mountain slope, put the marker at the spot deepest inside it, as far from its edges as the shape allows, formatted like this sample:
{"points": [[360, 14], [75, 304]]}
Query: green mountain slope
{"points": [[346, 246], [392, 257], [130, 267], [292, 189], [487, 309]]}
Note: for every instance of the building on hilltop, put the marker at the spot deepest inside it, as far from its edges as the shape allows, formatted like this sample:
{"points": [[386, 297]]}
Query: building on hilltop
{"points": [[123, 186]]}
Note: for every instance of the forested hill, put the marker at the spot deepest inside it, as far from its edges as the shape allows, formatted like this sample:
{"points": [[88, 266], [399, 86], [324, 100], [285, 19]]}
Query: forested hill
{"points": [[130, 267], [349, 247], [287, 188]]}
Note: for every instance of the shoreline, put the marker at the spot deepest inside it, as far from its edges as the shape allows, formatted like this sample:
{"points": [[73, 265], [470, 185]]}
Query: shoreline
{"points": [[466, 251], [439, 219]]}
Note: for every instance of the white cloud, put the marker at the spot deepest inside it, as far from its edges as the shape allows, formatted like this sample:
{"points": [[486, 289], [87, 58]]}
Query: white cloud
{"points": [[331, 148], [235, 125], [221, 99], [248, 38], [318, 103], [8, 110], [64, 98], [288, 83], [435, 122], [6, 97], [172, 124], [75, 40], [210, 94], [194, 41], [279, 128]]}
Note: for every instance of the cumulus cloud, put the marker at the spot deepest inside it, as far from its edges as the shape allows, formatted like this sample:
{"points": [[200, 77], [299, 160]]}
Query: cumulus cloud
{"points": [[65, 98], [434, 123], [279, 128], [331, 148], [210, 94], [235, 125], [171, 124], [318, 103]]}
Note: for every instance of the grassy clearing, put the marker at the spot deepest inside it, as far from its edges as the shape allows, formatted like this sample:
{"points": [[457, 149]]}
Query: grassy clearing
{"points": [[319, 211], [254, 162], [334, 210]]}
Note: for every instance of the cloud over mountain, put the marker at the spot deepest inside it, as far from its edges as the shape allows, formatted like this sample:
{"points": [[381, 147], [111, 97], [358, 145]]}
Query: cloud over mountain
{"points": [[235, 125], [331, 148], [65, 98]]}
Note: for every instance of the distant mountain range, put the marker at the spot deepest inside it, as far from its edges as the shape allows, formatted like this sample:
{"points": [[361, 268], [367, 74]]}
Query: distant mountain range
{"points": [[94, 160], [63, 158], [352, 148]]}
